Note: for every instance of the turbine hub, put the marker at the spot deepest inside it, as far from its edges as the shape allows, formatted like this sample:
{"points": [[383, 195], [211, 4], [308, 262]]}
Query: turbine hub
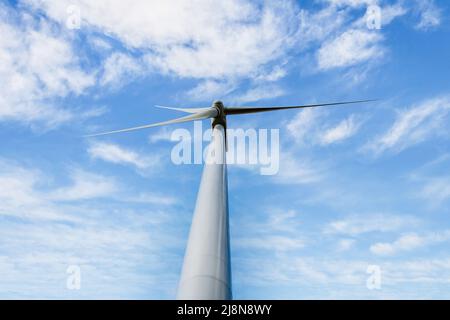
{"points": [[218, 104], [220, 119]]}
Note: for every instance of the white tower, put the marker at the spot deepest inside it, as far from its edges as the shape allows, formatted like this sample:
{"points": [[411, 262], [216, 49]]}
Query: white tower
{"points": [[206, 270]]}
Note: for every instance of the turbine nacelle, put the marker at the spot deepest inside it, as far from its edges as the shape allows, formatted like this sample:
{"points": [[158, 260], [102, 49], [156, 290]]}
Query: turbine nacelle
{"points": [[221, 114], [218, 104]]}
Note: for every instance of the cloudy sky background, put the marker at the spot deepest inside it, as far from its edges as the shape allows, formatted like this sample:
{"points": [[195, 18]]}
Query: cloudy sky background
{"points": [[358, 186]]}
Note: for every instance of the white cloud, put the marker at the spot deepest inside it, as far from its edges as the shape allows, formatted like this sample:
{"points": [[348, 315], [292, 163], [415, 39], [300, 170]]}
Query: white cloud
{"points": [[163, 134], [436, 189], [406, 242], [276, 232], [31, 194], [153, 198], [85, 185], [224, 44], [275, 74], [27, 195], [351, 47], [34, 259], [296, 171], [210, 90], [430, 14], [345, 278], [271, 243], [119, 68], [343, 35], [364, 223], [303, 124], [409, 242], [100, 44], [432, 181], [345, 244], [305, 128], [413, 125], [49, 233], [316, 26], [344, 130], [116, 154], [259, 93], [197, 39], [353, 3], [38, 65], [17, 194], [17, 185], [308, 270], [389, 13], [281, 220]]}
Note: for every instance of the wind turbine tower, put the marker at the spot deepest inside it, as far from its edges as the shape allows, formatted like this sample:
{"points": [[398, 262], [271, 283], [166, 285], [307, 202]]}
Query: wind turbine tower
{"points": [[206, 272]]}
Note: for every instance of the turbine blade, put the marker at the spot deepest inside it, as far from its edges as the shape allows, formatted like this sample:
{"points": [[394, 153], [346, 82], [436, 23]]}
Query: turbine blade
{"points": [[247, 110], [186, 110], [209, 113]]}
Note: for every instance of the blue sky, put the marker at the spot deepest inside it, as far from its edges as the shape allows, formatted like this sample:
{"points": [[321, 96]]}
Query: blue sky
{"points": [[358, 186]]}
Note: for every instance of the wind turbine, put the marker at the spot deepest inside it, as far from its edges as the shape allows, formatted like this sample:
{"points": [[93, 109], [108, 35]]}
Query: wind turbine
{"points": [[206, 272]]}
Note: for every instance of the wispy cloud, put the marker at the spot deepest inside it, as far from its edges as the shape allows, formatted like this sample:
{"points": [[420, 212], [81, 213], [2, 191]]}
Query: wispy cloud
{"points": [[413, 125], [210, 89], [276, 233], [312, 127], [297, 171], [347, 277], [259, 93], [409, 242], [303, 124], [344, 130], [430, 14], [116, 154], [153, 198], [85, 185], [347, 41], [20, 197], [119, 68], [354, 225], [345, 244], [204, 47], [278, 243], [31, 79], [432, 182], [436, 189], [55, 227], [350, 48], [163, 134], [247, 51]]}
